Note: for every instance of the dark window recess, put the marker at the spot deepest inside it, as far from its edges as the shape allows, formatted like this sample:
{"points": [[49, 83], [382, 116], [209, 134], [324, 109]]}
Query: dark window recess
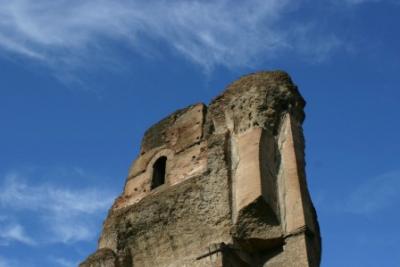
{"points": [[158, 172]]}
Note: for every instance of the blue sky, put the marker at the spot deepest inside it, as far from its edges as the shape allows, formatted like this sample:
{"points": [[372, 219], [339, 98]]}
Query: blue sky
{"points": [[80, 81]]}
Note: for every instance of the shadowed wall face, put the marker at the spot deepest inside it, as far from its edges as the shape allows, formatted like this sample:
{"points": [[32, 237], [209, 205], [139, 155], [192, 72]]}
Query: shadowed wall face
{"points": [[222, 185]]}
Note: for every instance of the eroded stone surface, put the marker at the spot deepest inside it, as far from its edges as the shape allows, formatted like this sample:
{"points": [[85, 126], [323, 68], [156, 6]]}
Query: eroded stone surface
{"points": [[233, 189], [101, 258]]}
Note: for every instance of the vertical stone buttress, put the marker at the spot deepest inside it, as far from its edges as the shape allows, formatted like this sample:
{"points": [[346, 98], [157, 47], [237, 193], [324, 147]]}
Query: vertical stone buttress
{"points": [[234, 191]]}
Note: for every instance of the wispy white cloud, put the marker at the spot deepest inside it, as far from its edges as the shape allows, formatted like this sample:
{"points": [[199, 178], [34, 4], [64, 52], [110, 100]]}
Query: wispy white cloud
{"points": [[18, 194], [317, 48], [64, 215], [208, 33], [10, 232], [5, 262], [374, 195]]}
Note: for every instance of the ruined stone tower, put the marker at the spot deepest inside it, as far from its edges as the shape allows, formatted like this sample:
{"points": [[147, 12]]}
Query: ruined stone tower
{"points": [[219, 185]]}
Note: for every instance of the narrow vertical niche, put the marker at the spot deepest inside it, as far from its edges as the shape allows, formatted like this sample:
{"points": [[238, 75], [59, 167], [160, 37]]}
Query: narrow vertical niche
{"points": [[159, 172]]}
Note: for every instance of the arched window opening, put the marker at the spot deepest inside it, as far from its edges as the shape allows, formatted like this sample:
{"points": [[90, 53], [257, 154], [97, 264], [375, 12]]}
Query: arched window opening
{"points": [[159, 172]]}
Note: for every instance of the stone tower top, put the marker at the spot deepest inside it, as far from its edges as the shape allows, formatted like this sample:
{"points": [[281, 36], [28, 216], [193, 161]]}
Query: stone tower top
{"points": [[259, 100]]}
